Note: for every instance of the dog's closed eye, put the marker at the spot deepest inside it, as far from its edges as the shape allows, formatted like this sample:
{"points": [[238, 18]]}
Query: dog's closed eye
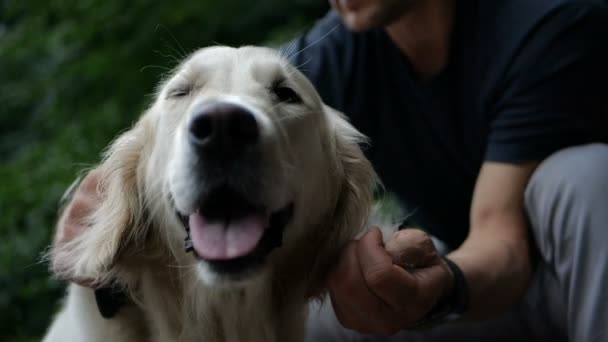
{"points": [[285, 93], [180, 91]]}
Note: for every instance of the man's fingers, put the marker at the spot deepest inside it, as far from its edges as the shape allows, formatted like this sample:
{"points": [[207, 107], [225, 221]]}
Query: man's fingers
{"points": [[344, 319], [371, 293], [393, 285], [363, 311], [437, 279], [347, 316], [349, 295], [412, 249], [372, 247]]}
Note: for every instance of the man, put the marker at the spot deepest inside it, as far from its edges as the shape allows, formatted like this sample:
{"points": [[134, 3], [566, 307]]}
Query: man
{"points": [[481, 115], [467, 104]]}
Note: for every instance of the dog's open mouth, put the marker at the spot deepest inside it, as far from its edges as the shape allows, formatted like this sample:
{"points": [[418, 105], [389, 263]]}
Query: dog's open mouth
{"points": [[232, 234]]}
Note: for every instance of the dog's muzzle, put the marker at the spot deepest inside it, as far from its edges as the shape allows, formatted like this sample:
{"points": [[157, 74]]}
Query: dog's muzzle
{"points": [[221, 132], [232, 229]]}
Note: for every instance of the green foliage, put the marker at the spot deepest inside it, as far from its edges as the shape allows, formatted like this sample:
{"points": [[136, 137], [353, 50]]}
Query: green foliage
{"points": [[72, 75]]}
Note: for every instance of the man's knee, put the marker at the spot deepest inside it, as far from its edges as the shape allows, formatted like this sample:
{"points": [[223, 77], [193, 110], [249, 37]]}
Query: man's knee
{"points": [[569, 184], [576, 171]]}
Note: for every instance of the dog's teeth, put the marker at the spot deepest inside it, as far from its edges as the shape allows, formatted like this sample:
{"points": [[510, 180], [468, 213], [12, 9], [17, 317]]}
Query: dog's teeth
{"points": [[188, 244]]}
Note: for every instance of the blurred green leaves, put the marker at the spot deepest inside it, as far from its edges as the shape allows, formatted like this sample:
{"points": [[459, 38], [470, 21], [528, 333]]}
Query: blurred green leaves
{"points": [[72, 75]]}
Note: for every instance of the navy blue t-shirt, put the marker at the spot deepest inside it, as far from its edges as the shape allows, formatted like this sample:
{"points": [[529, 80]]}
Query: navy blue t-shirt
{"points": [[524, 79]]}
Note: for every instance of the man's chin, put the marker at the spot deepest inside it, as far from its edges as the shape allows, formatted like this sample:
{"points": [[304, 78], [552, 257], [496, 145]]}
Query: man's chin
{"points": [[358, 23], [368, 16]]}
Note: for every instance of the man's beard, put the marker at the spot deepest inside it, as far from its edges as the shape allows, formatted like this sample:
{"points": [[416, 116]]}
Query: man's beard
{"points": [[390, 11], [379, 14]]}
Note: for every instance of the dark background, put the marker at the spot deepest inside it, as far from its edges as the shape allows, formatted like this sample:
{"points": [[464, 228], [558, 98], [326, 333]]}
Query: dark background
{"points": [[73, 74]]}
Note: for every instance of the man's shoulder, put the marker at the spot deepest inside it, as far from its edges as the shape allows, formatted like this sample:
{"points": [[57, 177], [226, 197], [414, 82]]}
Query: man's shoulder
{"points": [[512, 34], [517, 19], [543, 74], [522, 11]]}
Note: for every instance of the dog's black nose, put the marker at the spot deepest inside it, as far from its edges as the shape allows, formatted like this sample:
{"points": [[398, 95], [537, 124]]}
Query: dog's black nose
{"points": [[222, 130]]}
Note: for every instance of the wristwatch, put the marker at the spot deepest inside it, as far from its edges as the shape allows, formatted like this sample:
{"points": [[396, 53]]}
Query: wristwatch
{"points": [[451, 307]]}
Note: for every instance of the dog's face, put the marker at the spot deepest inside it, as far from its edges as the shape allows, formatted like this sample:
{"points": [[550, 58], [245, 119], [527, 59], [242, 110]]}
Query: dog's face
{"points": [[239, 153], [247, 158]]}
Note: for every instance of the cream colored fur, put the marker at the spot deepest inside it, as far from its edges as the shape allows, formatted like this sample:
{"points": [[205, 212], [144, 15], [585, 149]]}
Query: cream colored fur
{"points": [[135, 239]]}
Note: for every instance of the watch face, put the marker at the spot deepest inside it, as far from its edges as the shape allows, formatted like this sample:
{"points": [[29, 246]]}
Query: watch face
{"points": [[452, 316]]}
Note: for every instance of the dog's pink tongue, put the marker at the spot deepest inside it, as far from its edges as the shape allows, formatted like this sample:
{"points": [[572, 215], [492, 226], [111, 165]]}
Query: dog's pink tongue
{"points": [[222, 240]]}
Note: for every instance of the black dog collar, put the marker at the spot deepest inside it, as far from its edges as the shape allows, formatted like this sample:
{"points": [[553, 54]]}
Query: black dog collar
{"points": [[110, 300]]}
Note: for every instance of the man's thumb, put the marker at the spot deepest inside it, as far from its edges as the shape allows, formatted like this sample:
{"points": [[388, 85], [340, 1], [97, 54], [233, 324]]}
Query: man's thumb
{"points": [[412, 249]]}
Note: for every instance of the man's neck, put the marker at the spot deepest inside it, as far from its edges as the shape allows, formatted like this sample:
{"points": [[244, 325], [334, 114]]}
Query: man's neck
{"points": [[423, 35]]}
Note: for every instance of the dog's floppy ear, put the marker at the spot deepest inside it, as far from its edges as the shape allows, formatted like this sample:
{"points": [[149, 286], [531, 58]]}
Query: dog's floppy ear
{"points": [[356, 178], [105, 215]]}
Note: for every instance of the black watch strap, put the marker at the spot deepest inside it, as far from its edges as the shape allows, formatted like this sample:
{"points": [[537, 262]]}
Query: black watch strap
{"points": [[452, 306]]}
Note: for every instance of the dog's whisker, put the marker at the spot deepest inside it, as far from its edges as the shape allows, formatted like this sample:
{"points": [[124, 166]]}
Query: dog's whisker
{"points": [[187, 272], [294, 116], [216, 43], [286, 51], [283, 137], [286, 163], [180, 266], [171, 57], [184, 52], [299, 67], [146, 67], [175, 56], [313, 43]]}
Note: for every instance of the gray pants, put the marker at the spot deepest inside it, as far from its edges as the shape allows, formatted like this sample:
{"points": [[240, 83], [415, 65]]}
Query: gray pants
{"points": [[567, 204]]}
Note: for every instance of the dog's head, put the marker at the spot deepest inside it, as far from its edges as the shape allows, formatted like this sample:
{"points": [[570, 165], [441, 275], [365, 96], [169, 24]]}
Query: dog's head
{"points": [[239, 157]]}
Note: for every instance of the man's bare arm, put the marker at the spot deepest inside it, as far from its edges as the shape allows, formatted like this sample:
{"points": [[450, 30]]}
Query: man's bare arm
{"points": [[495, 257]]}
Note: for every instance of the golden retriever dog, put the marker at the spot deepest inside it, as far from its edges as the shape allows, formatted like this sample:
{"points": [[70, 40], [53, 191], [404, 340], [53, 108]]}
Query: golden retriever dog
{"points": [[221, 211]]}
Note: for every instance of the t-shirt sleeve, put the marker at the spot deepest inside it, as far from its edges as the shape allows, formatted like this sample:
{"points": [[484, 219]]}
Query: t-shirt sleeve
{"points": [[325, 55], [556, 89]]}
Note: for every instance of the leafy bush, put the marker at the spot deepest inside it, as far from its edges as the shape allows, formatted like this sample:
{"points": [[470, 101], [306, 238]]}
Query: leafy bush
{"points": [[72, 75]]}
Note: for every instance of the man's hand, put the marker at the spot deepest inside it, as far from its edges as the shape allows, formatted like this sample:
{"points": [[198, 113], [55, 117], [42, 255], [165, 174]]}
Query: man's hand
{"points": [[375, 290]]}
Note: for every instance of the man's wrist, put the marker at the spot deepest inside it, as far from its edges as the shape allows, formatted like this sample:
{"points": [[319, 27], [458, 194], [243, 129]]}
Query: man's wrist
{"points": [[459, 294], [450, 281], [453, 303]]}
